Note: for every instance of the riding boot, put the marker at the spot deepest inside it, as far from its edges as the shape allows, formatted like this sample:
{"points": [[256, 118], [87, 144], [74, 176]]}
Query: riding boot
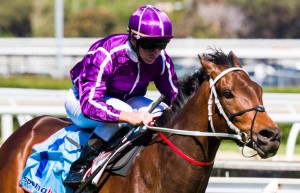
{"points": [[83, 163]]}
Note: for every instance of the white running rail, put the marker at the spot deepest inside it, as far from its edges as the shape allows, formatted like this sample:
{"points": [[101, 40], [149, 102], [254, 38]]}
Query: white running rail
{"points": [[252, 185]]}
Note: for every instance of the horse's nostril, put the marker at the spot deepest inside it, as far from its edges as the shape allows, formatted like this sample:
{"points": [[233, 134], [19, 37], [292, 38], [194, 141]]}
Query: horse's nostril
{"points": [[267, 134]]}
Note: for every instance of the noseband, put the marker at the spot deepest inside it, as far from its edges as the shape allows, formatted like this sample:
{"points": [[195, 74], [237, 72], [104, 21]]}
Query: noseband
{"points": [[244, 138]]}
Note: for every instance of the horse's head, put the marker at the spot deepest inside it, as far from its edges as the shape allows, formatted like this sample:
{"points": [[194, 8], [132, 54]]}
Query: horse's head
{"points": [[241, 103]]}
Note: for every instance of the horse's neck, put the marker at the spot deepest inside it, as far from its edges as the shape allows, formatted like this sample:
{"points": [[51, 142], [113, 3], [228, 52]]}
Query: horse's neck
{"points": [[171, 169], [194, 117]]}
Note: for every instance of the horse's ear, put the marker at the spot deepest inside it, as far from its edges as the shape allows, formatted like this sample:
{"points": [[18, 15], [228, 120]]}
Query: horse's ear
{"points": [[200, 59], [233, 59], [210, 68]]}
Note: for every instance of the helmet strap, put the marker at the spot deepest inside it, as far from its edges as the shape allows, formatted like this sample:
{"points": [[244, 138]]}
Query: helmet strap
{"points": [[136, 46], [136, 50]]}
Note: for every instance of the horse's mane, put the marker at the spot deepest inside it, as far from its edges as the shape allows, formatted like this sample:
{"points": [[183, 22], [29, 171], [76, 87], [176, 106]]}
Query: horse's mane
{"points": [[188, 85]]}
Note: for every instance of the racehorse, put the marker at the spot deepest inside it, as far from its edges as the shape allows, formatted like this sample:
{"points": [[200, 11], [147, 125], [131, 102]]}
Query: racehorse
{"points": [[219, 99]]}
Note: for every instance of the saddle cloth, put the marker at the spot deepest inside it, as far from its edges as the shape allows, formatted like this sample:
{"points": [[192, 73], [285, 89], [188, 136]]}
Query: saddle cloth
{"points": [[51, 160], [48, 166]]}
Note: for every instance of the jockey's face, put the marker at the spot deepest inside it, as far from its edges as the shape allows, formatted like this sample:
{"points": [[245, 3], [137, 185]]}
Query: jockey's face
{"points": [[149, 56], [149, 50]]}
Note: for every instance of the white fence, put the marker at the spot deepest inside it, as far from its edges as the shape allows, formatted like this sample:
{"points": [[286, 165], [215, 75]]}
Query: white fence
{"points": [[39, 55], [252, 185], [26, 103]]}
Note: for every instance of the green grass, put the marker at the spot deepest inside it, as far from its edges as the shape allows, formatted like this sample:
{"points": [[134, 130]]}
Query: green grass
{"points": [[40, 82], [34, 81], [46, 82], [230, 146], [289, 89]]}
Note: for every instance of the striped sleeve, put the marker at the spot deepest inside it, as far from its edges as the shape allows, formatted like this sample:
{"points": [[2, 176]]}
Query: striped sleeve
{"points": [[92, 86], [166, 83]]}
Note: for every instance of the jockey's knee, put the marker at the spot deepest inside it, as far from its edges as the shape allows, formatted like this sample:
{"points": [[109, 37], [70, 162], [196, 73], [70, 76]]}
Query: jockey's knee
{"points": [[106, 130]]}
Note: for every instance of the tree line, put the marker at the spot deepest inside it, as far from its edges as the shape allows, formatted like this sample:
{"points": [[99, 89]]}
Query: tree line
{"points": [[191, 18]]}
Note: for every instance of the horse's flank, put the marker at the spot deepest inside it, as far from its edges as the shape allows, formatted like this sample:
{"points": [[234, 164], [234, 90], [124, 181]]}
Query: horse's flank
{"points": [[14, 153]]}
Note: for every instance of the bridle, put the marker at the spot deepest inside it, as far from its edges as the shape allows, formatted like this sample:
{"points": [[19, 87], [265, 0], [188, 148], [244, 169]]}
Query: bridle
{"points": [[242, 137]]}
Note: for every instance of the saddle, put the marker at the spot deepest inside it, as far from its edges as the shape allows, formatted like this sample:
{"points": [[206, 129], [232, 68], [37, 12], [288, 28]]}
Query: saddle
{"points": [[117, 159], [122, 162]]}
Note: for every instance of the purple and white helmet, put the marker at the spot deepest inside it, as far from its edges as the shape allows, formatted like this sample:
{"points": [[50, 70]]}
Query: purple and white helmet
{"points": [[150, 22]]}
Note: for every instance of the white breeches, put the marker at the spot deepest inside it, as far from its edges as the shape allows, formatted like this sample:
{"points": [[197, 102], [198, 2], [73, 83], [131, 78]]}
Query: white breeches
{"points": [[105, 130]]}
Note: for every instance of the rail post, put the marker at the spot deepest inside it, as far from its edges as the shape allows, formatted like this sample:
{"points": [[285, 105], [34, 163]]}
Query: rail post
{"points": [[6, 126], [291, 142]]}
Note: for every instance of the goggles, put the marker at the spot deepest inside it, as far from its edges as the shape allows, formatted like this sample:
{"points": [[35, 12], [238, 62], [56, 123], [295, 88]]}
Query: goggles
{"points": [[150, 45]]}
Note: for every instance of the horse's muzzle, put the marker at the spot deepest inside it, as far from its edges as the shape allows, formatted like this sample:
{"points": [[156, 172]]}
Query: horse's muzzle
{"points": [[267, 142]]}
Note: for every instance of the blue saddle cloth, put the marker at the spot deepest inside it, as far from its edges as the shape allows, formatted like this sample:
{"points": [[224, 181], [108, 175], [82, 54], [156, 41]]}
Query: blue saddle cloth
{"points": [[51, 160]]}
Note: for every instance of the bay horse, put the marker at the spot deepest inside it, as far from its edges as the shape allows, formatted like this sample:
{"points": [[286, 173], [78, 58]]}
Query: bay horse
{"points": [[219, 98]]}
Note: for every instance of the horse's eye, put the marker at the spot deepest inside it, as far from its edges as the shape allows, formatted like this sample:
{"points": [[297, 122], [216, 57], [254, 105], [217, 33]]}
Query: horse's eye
{"points": [[227, 94]]}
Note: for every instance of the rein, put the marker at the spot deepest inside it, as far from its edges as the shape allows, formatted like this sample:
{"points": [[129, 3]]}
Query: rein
{"points": [[180, 153], [241, 136]]}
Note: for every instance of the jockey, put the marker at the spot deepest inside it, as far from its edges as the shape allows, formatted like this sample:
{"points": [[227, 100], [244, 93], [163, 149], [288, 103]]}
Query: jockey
{"points": [[110, 82]]}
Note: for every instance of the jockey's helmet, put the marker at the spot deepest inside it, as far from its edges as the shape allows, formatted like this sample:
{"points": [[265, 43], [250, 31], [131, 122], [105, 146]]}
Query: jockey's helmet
{"points": [[148, 22]]}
